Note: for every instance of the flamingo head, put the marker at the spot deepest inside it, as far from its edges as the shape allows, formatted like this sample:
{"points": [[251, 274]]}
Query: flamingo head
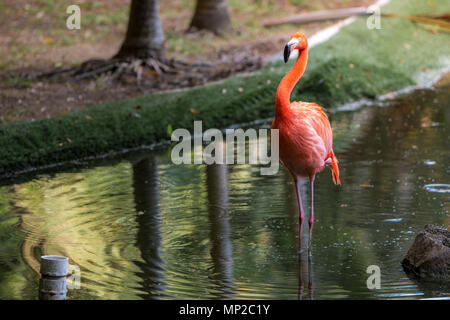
{"points": [[298, 42]]}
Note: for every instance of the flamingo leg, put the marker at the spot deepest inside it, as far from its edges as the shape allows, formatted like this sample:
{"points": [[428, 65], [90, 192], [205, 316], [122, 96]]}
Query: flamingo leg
{"points": [[301, 214], [311, 216]]}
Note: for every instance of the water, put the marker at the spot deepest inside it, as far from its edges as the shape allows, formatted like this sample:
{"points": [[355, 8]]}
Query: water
{"points": [[143, 228]]}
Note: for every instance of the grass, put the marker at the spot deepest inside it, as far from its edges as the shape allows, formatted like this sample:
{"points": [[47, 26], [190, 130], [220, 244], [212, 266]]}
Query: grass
{"points": [[18, 80], [357, 63]]}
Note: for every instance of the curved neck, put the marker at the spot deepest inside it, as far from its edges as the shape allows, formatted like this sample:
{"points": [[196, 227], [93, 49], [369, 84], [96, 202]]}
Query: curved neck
{"points": [[288, 82]]}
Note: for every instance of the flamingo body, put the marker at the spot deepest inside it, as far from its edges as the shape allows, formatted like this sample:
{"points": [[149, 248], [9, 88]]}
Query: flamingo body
{"points": [[305, 138]]}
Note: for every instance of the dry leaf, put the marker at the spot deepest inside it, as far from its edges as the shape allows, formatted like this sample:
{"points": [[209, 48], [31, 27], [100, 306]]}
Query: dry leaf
{"points": [[152, 73], [366, 185], [134, 114], [47, 40], [40, 15], [434, 31], [193, 111]]}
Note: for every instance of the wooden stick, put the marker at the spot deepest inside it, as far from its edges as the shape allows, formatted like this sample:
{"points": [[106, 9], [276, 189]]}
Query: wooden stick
{"points": [[321, 16]]}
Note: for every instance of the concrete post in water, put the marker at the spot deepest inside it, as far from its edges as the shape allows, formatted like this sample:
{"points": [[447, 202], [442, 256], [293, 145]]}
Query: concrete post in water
{"points": [[52, 284]]}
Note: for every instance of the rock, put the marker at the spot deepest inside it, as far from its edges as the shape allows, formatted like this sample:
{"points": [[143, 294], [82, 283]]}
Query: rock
{"points": [[429, 256]]}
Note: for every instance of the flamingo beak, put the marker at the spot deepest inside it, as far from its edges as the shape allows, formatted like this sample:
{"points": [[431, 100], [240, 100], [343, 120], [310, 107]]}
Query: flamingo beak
{"points": [[290, 46]]}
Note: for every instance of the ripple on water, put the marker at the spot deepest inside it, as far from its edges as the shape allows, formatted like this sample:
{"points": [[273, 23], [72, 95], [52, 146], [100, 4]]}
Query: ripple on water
{"points": [[437, 187], [393, 220]]}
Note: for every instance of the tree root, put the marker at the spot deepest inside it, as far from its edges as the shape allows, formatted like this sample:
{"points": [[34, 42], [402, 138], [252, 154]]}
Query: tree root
{"points": [[116, 67], [158, 74]]}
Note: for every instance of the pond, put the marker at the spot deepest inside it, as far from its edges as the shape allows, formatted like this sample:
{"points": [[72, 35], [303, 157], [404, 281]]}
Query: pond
{"points": [[141, 227]]}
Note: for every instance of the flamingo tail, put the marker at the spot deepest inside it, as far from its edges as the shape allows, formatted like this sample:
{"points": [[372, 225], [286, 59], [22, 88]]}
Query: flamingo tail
{"points": [[334, 167]]}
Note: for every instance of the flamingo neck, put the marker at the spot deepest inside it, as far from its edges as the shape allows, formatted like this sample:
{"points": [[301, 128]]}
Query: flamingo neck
{"points": [[289, 81]]}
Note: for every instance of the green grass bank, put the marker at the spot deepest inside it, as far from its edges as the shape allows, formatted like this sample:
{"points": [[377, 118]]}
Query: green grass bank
{"points": [[356, 63]]}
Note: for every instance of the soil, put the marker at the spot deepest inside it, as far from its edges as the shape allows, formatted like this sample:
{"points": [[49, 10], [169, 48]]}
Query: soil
{"points": [[22, 99]]}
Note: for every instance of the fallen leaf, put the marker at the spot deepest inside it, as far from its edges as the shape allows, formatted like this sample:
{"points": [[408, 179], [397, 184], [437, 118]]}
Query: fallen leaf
{"points": [[68, 140], [366, 185], [193, 111], [88, 117], [152, 73], [343, 205], [134, 114], [47, 40], [431, 3], [430, 30], [40, 15], [366, 70]]}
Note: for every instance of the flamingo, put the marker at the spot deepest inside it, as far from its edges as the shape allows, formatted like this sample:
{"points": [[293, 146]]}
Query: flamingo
{"points": [[305, 135]]}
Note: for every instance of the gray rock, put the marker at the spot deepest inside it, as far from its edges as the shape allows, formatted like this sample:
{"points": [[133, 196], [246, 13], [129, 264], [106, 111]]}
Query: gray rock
{"points": [[429, 256]]}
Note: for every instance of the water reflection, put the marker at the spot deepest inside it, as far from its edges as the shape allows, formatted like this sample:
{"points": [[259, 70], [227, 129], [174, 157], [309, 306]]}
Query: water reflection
{"points": [[143, 228], [148, 237], [220, 234], [305, 276]]}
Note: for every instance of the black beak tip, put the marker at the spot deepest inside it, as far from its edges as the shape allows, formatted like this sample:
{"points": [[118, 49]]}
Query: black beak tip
{"points": [[287, 53]]}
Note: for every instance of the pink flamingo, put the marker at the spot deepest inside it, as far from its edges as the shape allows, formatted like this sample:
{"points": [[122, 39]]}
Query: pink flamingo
{"points": [[305, 135]]}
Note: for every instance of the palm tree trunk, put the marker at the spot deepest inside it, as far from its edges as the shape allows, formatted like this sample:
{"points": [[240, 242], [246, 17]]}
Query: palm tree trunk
{"points": [[145, 37], [211, 15]]}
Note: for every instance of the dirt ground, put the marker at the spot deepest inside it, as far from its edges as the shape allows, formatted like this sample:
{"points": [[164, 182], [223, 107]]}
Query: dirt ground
{"points": [[32, 41]]}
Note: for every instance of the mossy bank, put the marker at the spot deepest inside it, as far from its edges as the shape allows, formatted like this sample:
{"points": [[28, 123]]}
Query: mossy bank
{"points": [[356, 63]]}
